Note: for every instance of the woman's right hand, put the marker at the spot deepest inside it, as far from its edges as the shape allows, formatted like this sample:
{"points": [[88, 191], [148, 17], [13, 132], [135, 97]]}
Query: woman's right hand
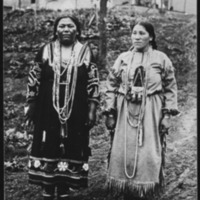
{"points": [[110, 122], [29, 112]]}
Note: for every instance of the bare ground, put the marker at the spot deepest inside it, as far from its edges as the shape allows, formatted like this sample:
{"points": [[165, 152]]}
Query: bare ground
{"points": [[181, 164]]}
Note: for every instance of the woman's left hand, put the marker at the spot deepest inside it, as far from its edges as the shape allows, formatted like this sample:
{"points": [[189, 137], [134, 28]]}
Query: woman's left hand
{"points": [[165, 124], [91, 119], [91, 115]]}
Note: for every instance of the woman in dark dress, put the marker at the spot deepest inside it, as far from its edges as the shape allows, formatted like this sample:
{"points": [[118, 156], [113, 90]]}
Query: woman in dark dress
{"points": [[62, 95]]}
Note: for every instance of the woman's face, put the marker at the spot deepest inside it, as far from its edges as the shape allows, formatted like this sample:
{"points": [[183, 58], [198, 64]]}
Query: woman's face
{"points": [[66, 31], [140, 37]]}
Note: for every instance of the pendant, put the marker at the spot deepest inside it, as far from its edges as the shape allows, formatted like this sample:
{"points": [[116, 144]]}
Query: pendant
{"points": [[44, 136], [64, 130], [140, 136], [62, 134], [43, 141], [62, 148]]}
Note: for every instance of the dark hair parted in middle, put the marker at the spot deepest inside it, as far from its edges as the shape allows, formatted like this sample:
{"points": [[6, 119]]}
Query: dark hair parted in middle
{"points": [[149, 28], [74, 19]]}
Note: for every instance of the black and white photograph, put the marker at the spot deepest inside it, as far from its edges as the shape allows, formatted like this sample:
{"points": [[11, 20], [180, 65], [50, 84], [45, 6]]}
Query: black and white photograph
{"points": [[100, 99]]}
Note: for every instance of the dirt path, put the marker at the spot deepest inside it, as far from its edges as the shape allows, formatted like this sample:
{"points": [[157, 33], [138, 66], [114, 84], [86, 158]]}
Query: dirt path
{"points": [[181, 158]]}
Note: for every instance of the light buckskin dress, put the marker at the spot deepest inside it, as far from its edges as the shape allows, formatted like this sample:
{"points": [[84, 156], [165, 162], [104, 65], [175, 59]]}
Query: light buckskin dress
{"points": [[136, 166]]}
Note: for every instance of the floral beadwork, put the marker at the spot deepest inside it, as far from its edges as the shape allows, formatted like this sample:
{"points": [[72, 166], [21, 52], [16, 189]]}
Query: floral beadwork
{"points": [[86, 167], [37, 163], [29, 164], [62, 166]]}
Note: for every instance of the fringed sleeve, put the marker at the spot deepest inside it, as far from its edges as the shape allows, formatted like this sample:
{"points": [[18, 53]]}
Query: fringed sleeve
{"points": [[169, 89], [34, 77], [93, 77], [112, 86]]}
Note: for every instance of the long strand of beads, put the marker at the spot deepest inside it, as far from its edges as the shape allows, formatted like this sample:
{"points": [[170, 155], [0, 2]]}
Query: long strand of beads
{"points": [[139, 128], [72, 95], [60, 110], [57, 64], [125, 142], [73, 91], [68, 110], [65, 111]]}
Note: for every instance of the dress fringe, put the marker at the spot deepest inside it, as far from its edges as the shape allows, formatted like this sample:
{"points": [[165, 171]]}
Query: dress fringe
{"points": [[140, 189], [148, 189]]}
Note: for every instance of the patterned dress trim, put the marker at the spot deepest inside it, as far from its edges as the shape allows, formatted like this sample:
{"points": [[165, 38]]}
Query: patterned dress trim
{"points": [[43, 172], [84, 56], [57, 159], [33, 81]]}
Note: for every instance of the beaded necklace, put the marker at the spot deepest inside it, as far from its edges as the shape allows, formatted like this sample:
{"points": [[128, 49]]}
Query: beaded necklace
{"points": [[65, 111], [139, 127]]}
